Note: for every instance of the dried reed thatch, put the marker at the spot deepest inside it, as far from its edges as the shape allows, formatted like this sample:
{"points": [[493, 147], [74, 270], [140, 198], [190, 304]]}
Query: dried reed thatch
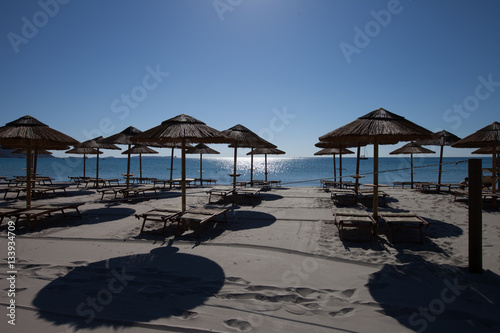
{"points": [[379, 126], [182, 129], [333, 151]]}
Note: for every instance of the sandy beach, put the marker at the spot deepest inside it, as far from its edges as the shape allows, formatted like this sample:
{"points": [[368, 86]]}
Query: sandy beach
{"points": [[278, 265]]}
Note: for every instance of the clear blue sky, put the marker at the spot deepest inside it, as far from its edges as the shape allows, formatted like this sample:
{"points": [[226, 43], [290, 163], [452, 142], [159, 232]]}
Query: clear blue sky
{"points": [[290, 70]]}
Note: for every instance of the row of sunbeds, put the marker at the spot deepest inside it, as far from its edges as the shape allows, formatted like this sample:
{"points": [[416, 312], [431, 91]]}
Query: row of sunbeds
{"points": [[31, 215]]}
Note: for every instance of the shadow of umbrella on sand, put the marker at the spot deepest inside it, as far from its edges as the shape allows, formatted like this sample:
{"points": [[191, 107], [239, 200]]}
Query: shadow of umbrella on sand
{"points": [[123, 291], [30, 134], [411, 148], [182, 129], [377, 127]]}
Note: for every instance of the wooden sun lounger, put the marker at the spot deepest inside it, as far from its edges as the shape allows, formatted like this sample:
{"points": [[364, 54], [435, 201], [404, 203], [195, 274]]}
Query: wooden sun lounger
{"points": [[110, 190], [31, 214], [135, 191], [158, 215], [198, 217], [368, 193], [355, 219], [10, 211], [485, 194], [251, 193], [402, 184], [41, 190], [404, 220], [337, 194], [220, 192], [16, 189]]}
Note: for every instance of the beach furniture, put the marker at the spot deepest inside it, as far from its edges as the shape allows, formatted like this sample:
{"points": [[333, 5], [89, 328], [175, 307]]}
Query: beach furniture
{"points": [[354, 219], [339, 194], [249, 192], [326, 184], [404, 221], [402, 184], [32, 214], [367, 193], [223, 193], [135, 191], [111, 190], [197, 217], [158, 215], [41, 190], [485, 194], [15, 189], [10, 211]]}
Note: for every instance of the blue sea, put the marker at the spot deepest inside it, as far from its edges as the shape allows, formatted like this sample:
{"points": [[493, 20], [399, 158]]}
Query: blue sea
{"points": [[291, 171]]}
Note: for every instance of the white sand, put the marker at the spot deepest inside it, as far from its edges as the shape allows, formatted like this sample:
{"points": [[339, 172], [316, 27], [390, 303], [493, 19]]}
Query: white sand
{"points": [[277, 266]]}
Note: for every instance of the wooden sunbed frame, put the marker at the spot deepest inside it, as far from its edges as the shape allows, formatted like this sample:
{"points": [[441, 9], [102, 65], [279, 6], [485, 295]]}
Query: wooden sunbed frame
{"points": [[220, 192], [41, 190], [16, 189], [337, 193], [199, 216], [368, 193], [404, 220], [31, 214], [251, 193], [158, 215], [359, 220]]}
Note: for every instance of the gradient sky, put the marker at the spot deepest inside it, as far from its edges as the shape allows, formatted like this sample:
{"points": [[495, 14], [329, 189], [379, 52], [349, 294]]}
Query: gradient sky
{"points": [[289, 70]]}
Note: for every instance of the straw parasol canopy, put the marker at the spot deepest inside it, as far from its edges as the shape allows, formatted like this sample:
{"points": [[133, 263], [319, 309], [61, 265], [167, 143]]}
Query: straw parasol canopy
{"points": [[84, 152], [411, 148], [182, 129], [441, 138], [138, 149], [245, 138], [201, 149], [266, 151], [335, 151], [488, 137], [97, 143], [377, 127], [31, 134]]}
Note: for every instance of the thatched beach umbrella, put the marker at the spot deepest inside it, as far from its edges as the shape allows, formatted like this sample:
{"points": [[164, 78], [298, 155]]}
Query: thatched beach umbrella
{"points": [[265, 152], [84, 152], [244, 138], [35, 157], [123, 138], [377, 127], [334, 152], [488, 137], [31, 134], [441, 138], [97, 143], [138, 149], [201, 149], [412, 148], [182, 129]]}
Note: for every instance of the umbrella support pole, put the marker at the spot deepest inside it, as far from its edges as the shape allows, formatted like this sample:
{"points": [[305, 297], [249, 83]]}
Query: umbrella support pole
{"points": [[475, 217], [375, 180]]}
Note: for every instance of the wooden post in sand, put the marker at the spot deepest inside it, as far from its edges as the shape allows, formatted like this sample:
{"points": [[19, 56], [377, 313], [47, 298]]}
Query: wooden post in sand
{"points": [[475, 217]]}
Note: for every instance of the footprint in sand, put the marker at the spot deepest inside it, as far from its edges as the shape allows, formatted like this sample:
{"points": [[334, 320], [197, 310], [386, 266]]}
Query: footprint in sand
{"points": [[185, 315], [342, 312], [237, 280], [239, 325]]}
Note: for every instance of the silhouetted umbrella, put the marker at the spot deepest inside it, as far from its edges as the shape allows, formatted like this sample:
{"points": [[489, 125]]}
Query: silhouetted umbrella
{"points": [[412, 148], [31, 134], [201, 149], [265, 152], [377, 127], [182, 129], [84, 152], [441, 138], [123, 138], [139, 149], [97, 143], [335, 151], [488, 137], [244, 138]]}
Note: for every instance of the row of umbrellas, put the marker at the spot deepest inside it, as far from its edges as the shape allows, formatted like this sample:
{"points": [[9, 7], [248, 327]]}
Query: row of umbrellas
{"points": [[383, 127], [177, 132]]}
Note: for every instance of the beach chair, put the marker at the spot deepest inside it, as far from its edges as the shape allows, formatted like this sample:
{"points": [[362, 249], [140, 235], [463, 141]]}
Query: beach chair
{"points": [[354, 219], [343, 195], [402, 184], [15, 189], [135, 191], [404, 221], [250, 193], [158, 215], [32, 214], [10, 211], [111, 190], [367, 193], [223, 193], [41, 190], [197, 217]]}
